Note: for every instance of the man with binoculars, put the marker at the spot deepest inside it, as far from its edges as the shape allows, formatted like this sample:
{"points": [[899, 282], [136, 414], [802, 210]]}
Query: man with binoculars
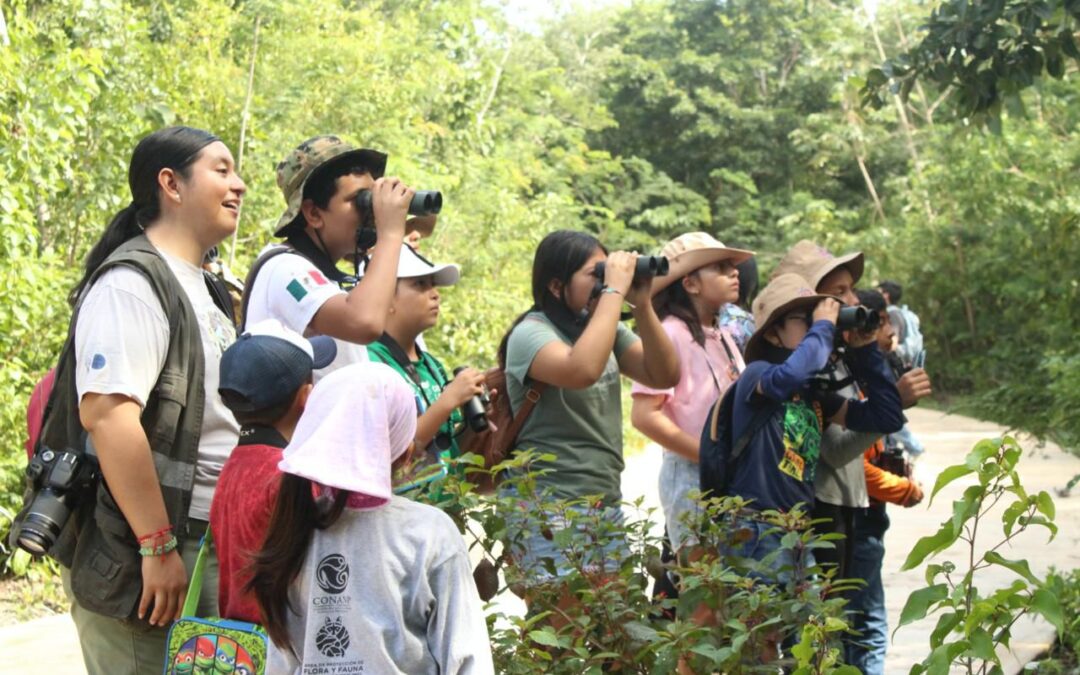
{"points": [[338, 204]]}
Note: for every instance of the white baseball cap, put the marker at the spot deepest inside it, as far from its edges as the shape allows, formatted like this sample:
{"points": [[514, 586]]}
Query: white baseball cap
{"points": [[411, 265]]}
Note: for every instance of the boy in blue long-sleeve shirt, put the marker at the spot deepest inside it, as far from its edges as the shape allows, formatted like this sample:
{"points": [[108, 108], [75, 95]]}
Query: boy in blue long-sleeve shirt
{"points": [[793, 341]]}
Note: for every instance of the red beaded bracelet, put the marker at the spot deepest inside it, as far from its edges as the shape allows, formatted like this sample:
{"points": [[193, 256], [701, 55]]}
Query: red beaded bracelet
{"points": [[154, 535]]}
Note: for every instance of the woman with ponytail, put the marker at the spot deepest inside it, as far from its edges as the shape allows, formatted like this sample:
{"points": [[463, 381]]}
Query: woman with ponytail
{"points": [[572, 341], [350, 577], [148, 337]]}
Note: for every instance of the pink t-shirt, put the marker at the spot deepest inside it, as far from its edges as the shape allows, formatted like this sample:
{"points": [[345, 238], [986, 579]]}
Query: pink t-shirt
{"points": [[688, 403]]}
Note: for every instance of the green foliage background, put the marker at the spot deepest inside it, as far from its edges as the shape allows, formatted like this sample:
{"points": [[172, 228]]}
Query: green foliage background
{"points": [[636, 122]]}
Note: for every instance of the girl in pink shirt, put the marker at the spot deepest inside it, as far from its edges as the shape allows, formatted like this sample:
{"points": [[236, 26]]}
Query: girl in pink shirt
{"points": [[702, 279]]}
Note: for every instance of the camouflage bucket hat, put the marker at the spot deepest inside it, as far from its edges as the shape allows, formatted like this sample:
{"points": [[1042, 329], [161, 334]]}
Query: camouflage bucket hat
{"points": [[294, 171], [814, 262]]}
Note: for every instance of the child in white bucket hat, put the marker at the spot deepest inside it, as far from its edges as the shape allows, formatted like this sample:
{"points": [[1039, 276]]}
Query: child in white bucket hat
{"points": [[347, 562]]}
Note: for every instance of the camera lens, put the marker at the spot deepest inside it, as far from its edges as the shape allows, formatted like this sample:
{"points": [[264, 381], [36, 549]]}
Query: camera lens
{"points": [[44, 520]]}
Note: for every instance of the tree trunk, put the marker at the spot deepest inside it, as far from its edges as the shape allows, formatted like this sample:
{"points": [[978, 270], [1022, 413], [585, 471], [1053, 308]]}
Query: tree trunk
{"points": [[5, 40], [244, 116]]}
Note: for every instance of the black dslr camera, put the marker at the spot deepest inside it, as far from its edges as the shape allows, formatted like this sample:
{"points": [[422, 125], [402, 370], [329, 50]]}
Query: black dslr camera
{"points": [[59, 480], [424, 203], [647, 266]]}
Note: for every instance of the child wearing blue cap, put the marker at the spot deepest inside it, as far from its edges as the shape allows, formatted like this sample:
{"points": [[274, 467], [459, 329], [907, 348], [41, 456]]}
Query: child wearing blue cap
{"points": [[266, 377]]}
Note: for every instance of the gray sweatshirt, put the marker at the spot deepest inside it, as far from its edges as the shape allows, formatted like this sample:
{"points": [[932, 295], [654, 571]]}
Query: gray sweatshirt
{"points": [[841, 478], [386, 591]]}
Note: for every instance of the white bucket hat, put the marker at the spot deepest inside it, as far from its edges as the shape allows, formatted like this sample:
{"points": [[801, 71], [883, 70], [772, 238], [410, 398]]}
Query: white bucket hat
{"points": [[358, 420]]}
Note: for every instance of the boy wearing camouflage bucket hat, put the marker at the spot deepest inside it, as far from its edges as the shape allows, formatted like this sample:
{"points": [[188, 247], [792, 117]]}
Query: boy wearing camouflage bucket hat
{"points": [[298, 282]]}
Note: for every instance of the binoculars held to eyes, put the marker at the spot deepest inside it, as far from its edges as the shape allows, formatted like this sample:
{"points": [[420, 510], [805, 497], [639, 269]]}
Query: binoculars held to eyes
{"points": [[424, 203], [647, 266], [857, 318]]}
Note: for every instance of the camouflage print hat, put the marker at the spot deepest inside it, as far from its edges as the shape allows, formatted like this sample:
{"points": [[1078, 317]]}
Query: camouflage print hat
{"points": [[814, 262], [294, 171]]}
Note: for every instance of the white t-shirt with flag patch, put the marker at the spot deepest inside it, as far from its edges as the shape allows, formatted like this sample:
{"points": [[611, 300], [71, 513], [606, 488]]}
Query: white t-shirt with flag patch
{"points": [[291, 289]]}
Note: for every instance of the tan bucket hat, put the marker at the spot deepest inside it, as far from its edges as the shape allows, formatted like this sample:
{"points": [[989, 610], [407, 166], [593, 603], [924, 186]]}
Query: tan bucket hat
{"points": [[298, 165], [814, 262], [783, 294], [692, 251]]}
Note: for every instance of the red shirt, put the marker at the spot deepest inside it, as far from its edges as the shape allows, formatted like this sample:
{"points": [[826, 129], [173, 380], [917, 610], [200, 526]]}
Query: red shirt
{"points": [[240, 514]]}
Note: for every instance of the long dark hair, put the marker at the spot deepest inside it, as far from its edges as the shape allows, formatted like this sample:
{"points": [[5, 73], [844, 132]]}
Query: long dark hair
{"points": [[748, 282], [559, 255], [174, 148], [297, 514], [675, 301]]}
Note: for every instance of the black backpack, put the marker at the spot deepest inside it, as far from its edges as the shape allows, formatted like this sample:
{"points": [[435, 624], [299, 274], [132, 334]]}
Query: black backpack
{"points": [[719, 452]]}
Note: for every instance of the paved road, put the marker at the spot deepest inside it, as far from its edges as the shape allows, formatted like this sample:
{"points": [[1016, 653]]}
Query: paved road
{"points": [[50, 645]]}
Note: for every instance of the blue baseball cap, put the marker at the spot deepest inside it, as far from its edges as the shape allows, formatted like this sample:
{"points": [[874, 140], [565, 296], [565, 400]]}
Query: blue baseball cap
{"points": [[266, 366]]}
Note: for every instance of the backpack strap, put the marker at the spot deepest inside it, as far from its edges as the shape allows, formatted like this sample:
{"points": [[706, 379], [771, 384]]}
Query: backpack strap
{"points": [[249, 281], [532, 397], [219, 293], [761, 416], [191, 602]]}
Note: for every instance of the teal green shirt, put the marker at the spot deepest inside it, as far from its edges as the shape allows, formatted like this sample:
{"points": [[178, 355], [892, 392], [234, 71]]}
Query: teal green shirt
{"points": [[581, 427], [433, 379]]}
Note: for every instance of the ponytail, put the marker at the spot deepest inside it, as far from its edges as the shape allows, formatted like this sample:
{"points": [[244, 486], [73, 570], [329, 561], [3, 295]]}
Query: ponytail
{"points": [[675, 301], [124, 226], [297, 514], [174, 148]]}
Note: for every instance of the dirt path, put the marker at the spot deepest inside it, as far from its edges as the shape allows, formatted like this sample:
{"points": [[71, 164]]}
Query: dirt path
{"points": [[50, 645]]}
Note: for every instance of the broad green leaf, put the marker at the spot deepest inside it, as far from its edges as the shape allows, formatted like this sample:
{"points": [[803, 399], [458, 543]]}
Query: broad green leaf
{"points": [[967, 506], [929, 545], [919, 602], [941, 659], [545, 636], [1048, 604], [982, 646], [982, 451], [947, 476], [946, 622], [1011, 514], [1045, 504], [714, 654], [1019, 566]]}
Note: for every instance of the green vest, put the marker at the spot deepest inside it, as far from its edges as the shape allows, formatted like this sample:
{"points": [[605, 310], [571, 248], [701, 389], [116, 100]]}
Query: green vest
{"points": [[97, 543]]}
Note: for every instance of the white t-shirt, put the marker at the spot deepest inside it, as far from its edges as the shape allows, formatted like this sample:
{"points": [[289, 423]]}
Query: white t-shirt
{"points": [[121, 340], [291, 289], [387, 590]]}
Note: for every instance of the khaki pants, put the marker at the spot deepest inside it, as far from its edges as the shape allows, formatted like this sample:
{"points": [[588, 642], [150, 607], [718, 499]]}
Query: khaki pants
{"points": [[119, 647]]}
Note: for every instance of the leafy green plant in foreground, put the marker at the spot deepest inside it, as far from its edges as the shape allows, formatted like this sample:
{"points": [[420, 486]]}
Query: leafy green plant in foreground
{"points": [[971, 624]]}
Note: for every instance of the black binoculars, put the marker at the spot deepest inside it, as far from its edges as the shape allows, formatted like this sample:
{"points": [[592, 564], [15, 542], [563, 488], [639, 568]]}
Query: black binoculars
{"points": [[647, 266], [857, 318], [424, 203], [475, 409]]}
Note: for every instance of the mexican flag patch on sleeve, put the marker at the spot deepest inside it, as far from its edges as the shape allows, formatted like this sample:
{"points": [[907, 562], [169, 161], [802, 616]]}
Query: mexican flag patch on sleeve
{"points": [[296, 289]]}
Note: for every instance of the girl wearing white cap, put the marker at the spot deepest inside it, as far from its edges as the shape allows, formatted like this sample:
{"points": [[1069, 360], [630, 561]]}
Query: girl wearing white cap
{"points": [[702, 279], [352, 578]]}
